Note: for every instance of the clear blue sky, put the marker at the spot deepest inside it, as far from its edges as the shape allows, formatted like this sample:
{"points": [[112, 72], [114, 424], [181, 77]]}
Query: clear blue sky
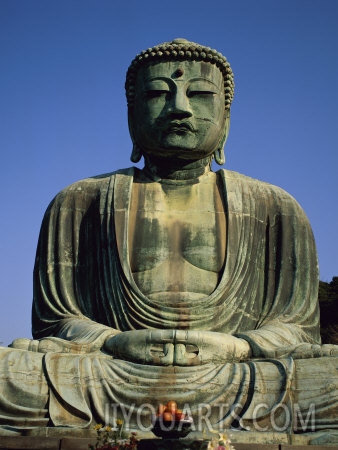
{"points": [[63, 111]]}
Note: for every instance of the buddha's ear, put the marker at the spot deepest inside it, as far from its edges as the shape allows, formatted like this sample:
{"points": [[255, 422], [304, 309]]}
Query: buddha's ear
{"points": [[136, 153], [219, 152]]}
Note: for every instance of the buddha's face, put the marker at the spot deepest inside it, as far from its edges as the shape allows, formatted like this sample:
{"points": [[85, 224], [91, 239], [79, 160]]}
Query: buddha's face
{"points": [[179, 109]]}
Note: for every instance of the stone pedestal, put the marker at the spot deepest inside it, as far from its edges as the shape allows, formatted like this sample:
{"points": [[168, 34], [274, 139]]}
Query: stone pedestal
{"points": [[172, 444]]}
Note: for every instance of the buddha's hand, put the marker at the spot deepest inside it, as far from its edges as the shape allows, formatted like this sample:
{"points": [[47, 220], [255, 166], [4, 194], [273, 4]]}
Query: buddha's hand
{"points": [[143, 346], [202, 347], [177, 347]]}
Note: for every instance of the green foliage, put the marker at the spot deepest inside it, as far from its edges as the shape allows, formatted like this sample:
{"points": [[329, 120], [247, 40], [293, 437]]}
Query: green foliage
{"points": [[328, 302], [328, 292]]}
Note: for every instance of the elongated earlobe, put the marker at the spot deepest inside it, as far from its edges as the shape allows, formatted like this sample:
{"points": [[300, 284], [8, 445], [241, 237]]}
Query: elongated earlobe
{"points": [[136, 154], [219, 152], [220, 156]]}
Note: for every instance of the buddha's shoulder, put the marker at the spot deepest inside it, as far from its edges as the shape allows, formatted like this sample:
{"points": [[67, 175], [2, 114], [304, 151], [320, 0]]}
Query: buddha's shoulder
{"points": [[257, 189], [89, 189]]}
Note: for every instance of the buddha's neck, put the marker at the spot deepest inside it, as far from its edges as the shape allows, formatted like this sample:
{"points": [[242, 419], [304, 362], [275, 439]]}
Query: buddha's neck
{"points": [[170, 169]]}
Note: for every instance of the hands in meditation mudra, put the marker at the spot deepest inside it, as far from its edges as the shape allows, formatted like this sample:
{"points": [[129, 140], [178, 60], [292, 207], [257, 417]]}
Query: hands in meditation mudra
{"points": [[177, 347]]}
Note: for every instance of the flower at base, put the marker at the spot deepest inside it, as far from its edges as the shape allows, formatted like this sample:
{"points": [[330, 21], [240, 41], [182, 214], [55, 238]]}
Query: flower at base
{"points": [[222, 442], [109, 438]]}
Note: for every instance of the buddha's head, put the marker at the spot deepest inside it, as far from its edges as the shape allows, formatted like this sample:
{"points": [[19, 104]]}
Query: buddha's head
{"points": [[179, 95]]}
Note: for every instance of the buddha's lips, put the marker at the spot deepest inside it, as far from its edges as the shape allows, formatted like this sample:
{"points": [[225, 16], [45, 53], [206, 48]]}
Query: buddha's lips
{"points": [[180, 127]]}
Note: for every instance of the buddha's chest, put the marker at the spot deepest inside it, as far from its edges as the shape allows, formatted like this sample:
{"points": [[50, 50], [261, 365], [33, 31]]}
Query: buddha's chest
{"points": [[177, 226]]}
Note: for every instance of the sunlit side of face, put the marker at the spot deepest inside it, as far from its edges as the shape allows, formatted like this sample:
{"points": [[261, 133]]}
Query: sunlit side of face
{"points": [[179, 109]]}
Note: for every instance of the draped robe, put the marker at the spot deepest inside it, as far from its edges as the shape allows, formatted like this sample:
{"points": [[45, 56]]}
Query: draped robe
{"points": [[84, 292], [267, 294]]}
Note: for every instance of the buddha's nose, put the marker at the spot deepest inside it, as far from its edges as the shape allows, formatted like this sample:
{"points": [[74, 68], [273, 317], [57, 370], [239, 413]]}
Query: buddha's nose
{"points": [[180, 105]]}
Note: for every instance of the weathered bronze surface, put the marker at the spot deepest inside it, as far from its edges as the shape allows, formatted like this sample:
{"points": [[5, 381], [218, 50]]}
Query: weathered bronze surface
{"points": [[174, 281]]}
